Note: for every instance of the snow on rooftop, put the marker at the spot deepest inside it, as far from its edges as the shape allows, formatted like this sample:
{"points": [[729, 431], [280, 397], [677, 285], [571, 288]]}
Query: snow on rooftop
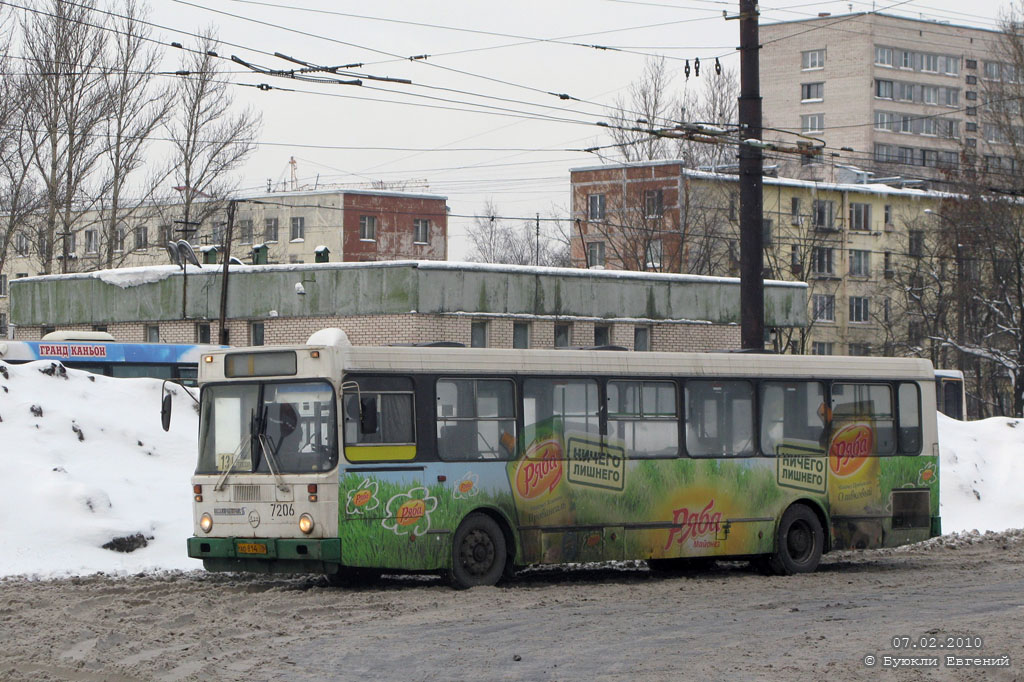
{"points": [[127, 277], [86, 454]]}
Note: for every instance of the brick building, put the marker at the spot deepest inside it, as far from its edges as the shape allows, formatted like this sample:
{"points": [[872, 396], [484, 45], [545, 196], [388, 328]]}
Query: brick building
{"points": [[500, 306], [282, 227], [898, 96], [856, 245]]}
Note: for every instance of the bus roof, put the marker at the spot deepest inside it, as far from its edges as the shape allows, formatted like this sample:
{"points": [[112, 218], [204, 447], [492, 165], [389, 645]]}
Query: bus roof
{"points": [[453, 361]]}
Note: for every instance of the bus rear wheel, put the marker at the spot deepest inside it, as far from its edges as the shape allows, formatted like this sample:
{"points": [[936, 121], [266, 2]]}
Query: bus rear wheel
{"points": [[798, 542], [478, 552]]}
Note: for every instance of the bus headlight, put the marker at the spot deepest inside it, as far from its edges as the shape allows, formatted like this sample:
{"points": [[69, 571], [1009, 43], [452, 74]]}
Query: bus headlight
{"points": [[306, 524], [206, 522]]}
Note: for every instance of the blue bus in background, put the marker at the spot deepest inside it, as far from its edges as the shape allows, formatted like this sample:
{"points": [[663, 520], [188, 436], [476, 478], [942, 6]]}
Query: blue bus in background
{"points": [[97, 352]]}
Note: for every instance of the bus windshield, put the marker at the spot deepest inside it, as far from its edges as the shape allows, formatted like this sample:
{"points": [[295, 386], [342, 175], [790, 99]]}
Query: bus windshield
{"points": [[268, 428]]}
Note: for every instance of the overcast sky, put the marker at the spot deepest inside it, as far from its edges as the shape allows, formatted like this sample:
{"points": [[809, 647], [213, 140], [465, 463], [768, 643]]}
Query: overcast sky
{"points": [[477, 122]]}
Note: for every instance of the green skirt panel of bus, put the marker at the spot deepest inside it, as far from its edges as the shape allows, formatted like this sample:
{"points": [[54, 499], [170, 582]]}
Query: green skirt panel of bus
{"points": [[570, 495]]}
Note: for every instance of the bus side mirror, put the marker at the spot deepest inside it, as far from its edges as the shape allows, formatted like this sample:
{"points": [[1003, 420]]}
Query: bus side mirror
{"points": [[165, 412], [368, 415]]}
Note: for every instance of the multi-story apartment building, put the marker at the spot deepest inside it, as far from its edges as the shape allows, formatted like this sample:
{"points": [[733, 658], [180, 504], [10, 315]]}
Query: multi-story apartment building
{"points": [[328, 225], [856, 245], [895, 95]]}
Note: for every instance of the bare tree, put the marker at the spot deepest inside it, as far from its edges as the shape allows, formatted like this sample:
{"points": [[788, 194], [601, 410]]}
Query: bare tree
{"points": [[495, 240], [209, 140], [18, 196], [649, 104], [716, 104], [65, 59], [137, 108]]}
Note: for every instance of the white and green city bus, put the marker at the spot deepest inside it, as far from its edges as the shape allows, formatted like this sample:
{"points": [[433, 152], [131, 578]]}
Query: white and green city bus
{"points": [[473, 462]]}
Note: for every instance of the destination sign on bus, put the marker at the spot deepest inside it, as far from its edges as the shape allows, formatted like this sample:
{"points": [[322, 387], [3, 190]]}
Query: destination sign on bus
{"points": [[69, 350]]}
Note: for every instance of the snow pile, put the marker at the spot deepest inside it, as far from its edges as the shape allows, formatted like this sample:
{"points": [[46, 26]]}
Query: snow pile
{"points": [[86, 464], [981, 474]]}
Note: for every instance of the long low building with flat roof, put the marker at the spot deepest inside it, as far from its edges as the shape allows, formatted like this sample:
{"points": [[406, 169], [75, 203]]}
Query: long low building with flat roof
{"points": [[379, 303]]}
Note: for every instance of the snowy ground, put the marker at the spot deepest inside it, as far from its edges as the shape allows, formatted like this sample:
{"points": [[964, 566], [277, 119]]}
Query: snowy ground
{"points": [[85, 461]]}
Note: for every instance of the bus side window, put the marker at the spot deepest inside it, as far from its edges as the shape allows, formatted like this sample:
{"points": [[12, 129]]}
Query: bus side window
{"points": [[476, 419], [642, 418], [910, 419], [382, 421], [869, 404], [791, 418], [719, 418]]}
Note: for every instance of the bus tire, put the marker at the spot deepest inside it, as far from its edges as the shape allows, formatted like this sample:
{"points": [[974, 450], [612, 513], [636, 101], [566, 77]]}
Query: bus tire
{"points": [[479, 554], [798, 542]]}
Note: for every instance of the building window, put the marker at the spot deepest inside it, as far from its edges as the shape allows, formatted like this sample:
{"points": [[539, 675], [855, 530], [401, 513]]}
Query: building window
{"points": [[794, 211], [202, 332], [22, 275], [823, 308], [270, 232], [562, 335], [795, 266], [220, 231], [886, 309], [887, 270], [971, 63], [885, 153], [298, 228], [152, 333], [888, 214], [420, 231], [766, 231], [602, 335], [821, 260], [812, 59], [952, 65], [883, 89], [916, 243], [653, 203], [3, 324], [595, 207], [141, 237], [256, 333], [368, 228], [595, 254], [812, 92], [245, 231], [860, 263], [21, 244], [821, 348], [520, 334], [166, 233], [860, 349], [478, 334], [883, 56], [812, 123], [859, 309], [824, 214], [654, 254], [930, 63], [860, 216], [3, 285], [641, 338], [92, 242], [930, 95]]}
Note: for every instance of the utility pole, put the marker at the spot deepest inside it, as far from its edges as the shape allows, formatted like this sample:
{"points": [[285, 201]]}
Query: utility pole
{"points": [[536, 259], [751, 181], [224, 280]]}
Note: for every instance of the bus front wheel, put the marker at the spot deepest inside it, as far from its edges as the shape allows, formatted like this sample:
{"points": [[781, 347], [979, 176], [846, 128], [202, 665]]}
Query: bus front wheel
{"points": [[798, 542], [478, 552]]}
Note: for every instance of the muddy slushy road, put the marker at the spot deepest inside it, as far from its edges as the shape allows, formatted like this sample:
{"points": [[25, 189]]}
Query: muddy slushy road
{"points": [[605, 623]]}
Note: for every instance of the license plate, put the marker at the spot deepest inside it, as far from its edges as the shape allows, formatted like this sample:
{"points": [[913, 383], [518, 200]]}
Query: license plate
{"points": [[252, 548]]}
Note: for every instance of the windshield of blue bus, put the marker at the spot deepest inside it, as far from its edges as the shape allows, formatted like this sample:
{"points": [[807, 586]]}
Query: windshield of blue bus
{"points": [[268, 427]]}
